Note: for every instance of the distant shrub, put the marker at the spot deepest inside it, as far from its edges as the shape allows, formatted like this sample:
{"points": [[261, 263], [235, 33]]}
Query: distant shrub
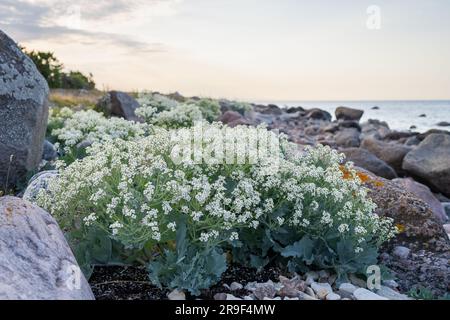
{"points": [[77, 80], [52, 70]]}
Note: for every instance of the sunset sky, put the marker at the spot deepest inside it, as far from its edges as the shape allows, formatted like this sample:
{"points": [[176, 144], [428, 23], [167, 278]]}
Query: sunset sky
{"points": [[246, 49]]}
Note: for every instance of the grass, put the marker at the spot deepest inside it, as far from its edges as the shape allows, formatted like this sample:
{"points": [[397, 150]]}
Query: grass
{"points": [[77, 99]]}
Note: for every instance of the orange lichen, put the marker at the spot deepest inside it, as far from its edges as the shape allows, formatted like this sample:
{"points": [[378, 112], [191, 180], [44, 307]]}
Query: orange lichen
{"points": [[400, 227], [365, 178]]}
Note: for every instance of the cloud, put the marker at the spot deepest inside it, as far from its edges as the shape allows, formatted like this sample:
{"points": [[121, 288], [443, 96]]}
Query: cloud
{"points": [[63, 20]]}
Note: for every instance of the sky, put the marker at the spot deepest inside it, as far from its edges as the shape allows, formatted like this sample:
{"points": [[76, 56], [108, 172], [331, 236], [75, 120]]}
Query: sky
{"points": [[278, 50]]}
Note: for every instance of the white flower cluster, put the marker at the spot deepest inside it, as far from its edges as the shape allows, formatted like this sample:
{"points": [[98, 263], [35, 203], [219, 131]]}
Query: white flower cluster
{"points": [[162, 111], [139, 194], [93, 126]]}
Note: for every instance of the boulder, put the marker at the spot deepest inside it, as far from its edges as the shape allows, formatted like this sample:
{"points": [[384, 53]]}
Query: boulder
{"points": [[424, 193], [430, 162], [119, 104], [50, 152], [35, 259], [443, 124], [418, 225], [347, 138], [23, 113], [376, 128], [391, 153], [233, 119], [38, 182], [346, 113], [363, 158], [295, 109], [422, 136], [269, 109], [318, 114]]}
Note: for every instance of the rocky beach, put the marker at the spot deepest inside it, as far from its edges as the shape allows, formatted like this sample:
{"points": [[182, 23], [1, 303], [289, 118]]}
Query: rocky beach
{"points": [[406, 174]]}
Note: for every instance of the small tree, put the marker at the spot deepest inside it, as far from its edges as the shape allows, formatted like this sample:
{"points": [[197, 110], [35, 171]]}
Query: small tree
{"points": [[77, 80], [52, 70], [49, 66]]}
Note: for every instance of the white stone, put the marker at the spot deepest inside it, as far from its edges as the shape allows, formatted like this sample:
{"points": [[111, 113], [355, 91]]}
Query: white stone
{"points": [[346, 290], [401, 252], [312, 274], [364, 294], [176, 295], [333, 296], [304, 296], [310, 292], [236, 286], [447, 228], [231, 297], [391, 294], [321, 289], [36, 262]]}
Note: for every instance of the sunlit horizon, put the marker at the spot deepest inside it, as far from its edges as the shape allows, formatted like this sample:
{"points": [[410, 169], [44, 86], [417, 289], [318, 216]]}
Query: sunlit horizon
{"points": [[286, 50]]}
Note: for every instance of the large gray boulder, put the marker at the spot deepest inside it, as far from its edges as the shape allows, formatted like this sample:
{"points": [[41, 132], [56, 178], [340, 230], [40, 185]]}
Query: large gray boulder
{"points": [[119, 104], [364, 159], [391, 153], [430, 161], [423, 193], [23, 113], [348, 138], [36, 262], [346, 113], [38, 182]]}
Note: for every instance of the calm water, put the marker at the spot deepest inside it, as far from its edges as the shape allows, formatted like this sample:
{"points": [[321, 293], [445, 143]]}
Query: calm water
{"points": [[400, 115]]}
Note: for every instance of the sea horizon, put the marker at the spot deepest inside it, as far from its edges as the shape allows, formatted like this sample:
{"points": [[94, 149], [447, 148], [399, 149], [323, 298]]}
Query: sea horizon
{"points": [[415, 115]]}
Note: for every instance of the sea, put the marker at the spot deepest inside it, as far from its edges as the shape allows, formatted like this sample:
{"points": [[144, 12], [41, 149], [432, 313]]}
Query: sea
{"points": [[400, 115]]}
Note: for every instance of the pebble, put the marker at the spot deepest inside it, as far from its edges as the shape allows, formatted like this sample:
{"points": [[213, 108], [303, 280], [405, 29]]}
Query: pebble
{"points": [[312, 274], [272, 299], [231, 297], [236, 286], [310, 292], [447, 228], [251, 286], [265, 290], [321, 289], [332, 279], [364, 294], [291, 287], [333, 296], [346, 290], [220, 296], [391, 294], [304, 296], [287, 298], [401, 252], [176, 295]]}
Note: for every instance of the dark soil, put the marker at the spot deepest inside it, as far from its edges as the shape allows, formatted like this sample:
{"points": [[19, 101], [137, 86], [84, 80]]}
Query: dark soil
{"points": [[131, 283]]}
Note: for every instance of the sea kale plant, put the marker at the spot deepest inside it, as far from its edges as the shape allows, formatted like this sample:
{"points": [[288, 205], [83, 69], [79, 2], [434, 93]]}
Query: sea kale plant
{"points": [[162, 111], [73, 131], [140, 202]]}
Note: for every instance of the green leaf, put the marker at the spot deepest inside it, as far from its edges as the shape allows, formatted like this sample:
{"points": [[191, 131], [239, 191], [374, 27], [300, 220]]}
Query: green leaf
{"points": [[302, 249]]}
